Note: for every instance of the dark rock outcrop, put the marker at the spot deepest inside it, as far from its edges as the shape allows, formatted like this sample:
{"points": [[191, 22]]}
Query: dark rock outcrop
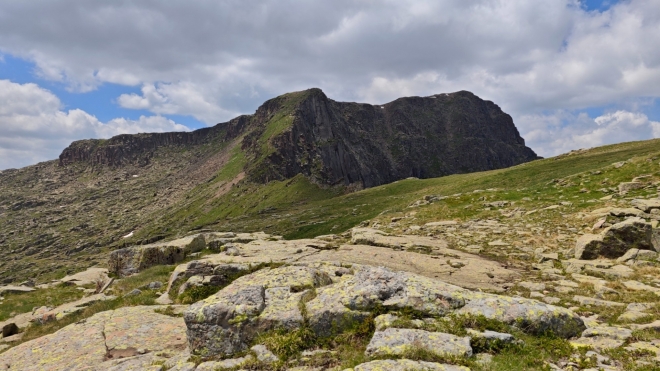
{"points": [[138, 148], [343, 143], [336, 142]]}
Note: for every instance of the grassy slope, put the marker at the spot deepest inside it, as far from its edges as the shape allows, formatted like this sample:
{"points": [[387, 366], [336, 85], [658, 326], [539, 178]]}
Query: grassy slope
{"points": [[297, 208]]}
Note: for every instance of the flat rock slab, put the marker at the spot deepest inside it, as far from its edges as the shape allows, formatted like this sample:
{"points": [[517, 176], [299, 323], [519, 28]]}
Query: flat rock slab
{"points": [[44, 314], [106, 336], [655, 325], [336, 297], [608, 332], [90, 276], [475, 272], [405, 365], [15, 289], [638, 286], [597, 343], [584, 300], [397, 341]]}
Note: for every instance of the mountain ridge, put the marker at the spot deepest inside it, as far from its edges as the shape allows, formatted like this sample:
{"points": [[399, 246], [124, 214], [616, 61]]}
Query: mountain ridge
{"points": [[343, 143]]}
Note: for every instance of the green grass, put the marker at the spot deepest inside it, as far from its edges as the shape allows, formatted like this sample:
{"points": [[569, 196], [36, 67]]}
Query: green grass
{"points": [[18, 303], [297, 208], [62, 294], [234, 166]]}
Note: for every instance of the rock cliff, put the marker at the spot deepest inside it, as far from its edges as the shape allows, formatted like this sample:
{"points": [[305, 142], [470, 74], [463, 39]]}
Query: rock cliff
{"points": [[343, 143]]}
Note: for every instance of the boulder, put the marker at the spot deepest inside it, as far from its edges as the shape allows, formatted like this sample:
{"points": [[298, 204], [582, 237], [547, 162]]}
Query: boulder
{"points": [[489, 340], [397, 342], [405, 365], [226, 323], [626, 212], [530, 315], [626, 187], [616, 240], [611, 332], [339, 306], [226, 272], [646, 205], [289, 296], [134, 259], [9, 330]]}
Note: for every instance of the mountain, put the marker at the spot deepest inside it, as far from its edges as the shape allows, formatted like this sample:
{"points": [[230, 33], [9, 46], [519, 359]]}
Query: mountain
{"points": [[343, 143], [295, 149]]}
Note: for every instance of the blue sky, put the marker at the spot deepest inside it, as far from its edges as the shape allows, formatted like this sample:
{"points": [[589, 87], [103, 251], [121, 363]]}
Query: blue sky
{"points": [[101, 102], [599, 5], [570, 76]]}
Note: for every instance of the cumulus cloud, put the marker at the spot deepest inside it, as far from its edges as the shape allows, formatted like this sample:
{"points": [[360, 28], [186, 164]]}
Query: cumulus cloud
{"points": [[563, 131], [184, 98], [34, 128], [213, 60]]}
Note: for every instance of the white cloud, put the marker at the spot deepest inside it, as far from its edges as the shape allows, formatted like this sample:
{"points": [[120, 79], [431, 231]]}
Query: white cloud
{"points": [[562, 131], [214, 60], [183, 98], [34, 128]]}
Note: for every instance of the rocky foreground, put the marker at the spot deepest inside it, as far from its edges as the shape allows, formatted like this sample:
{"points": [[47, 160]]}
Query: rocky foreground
{"points": [[258, 302]]}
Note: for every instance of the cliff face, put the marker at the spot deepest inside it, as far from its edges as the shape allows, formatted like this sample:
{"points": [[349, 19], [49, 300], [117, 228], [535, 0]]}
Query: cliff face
{"points": [[343, 143], [137, 149]]}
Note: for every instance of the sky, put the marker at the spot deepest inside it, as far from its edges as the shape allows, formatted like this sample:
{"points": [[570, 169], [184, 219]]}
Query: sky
{"points": [[572, 74]]}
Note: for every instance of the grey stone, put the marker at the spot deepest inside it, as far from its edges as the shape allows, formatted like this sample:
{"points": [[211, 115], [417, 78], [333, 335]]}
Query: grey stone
{"points": [[393, 341], [228, 271], [134, 259], [616, 240], [629, 255], [655, 325], [226, 322], [489, 339], [583, 300], [484, 359], [9, 330], [532, 316], [626, 187], [533, 286], [263, 354], [629, 211], [406, 365], [611, 332], [646, 205], [350, 299], [551, 300], [598, 343], [155, 285], [616, 272], [134, 292]]}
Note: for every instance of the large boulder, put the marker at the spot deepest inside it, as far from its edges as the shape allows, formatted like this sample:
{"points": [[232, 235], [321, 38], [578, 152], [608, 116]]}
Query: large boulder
{"points": [[616, 240], [529, 315], [288, 297], [226, 323], [338, 306], [134, 259]]}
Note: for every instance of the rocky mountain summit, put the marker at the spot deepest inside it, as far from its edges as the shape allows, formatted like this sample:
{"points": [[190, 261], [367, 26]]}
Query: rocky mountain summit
{"points": [[342, 143]]}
